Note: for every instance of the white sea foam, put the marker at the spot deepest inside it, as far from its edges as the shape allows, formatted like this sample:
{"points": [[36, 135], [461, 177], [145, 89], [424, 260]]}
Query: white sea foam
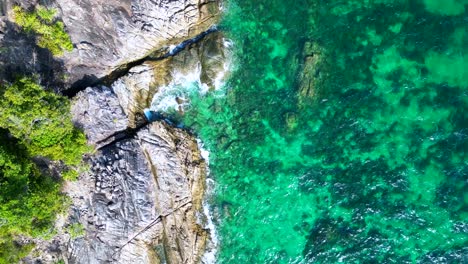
{"points": [[209, 257], [227, 43], [179, 89], [185, 84], [204, 153], [171, 48]]}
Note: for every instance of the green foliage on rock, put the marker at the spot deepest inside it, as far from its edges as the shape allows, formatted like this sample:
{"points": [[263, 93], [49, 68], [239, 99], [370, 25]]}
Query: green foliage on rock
{"points": [[33, 122], [29, 201], [76, 230], [51, 33], [42, 121], [11, 251]]}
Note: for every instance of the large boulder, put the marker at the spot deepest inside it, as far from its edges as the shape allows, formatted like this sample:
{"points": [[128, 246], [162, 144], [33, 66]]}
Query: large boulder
{"points": [[98, 112], [110, 33], [107, 34], [140, 201]]}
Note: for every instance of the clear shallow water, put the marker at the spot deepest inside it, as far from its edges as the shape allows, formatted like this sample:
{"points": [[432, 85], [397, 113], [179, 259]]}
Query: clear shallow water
{"points": [[373, 167]]}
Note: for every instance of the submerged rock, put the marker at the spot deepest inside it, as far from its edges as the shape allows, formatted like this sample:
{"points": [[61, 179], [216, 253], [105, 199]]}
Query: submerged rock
{"points": [[310, 73]]}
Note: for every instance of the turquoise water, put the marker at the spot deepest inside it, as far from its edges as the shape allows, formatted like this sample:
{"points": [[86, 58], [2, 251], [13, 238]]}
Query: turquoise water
{"points": [[368, 163]]}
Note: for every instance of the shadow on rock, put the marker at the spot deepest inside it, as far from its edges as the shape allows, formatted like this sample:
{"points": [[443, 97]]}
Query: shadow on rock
{"points": [[20, 55], [87, 81]]}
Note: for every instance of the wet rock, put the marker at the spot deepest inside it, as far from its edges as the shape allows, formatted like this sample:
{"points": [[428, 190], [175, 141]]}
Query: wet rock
{"points": [[205, 62], [179, 172]]}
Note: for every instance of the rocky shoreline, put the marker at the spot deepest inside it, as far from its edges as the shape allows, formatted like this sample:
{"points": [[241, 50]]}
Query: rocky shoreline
{"points": [[141, 200]]}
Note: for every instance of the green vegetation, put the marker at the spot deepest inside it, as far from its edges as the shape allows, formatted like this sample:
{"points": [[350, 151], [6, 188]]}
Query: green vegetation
{"points": [[11, 252], [51, 33], [33, 122], [41, 120], [76, 230]]}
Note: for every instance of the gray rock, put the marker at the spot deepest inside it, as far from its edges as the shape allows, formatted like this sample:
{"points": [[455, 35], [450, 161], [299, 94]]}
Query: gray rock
{"points": [[116, 209], [134, 91], [142, 198], [152, 203], [107, 35], [179, 172], [111, 33], [98, 112]]}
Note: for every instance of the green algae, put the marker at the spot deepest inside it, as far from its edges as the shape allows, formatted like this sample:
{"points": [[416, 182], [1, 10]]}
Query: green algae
{"points": [[373, 168]]}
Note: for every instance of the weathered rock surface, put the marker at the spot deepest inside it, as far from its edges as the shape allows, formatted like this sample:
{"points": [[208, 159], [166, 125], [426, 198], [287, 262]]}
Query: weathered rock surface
{"points": [[141, 200], [108, 34], [121, 205], [135, 90], [147, 193], [179, 173], [98, 112]]}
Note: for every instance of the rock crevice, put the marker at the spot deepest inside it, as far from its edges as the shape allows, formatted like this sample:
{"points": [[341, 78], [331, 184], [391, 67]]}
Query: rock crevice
{"points": [[124, 69]]}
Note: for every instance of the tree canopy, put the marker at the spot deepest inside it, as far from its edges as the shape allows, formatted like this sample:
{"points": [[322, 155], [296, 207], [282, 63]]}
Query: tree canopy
{"points": [[33, 122]]}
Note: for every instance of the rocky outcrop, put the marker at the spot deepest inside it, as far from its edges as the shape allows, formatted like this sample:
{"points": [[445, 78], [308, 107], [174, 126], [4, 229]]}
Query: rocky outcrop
{"points": [[180, 177], [96, 111], [108, 35], [141, 199], [112, 33], [146, 194]]}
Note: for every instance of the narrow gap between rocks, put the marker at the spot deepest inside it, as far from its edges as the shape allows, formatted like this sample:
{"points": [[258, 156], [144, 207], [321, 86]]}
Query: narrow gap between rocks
{"points": [[122, 70]]}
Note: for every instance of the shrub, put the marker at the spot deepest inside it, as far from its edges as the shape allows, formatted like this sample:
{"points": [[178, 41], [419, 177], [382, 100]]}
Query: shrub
{"points": [[51, 33], [76, 230], [12, 252], [42, 121], [33, 122], [29, 201]]}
